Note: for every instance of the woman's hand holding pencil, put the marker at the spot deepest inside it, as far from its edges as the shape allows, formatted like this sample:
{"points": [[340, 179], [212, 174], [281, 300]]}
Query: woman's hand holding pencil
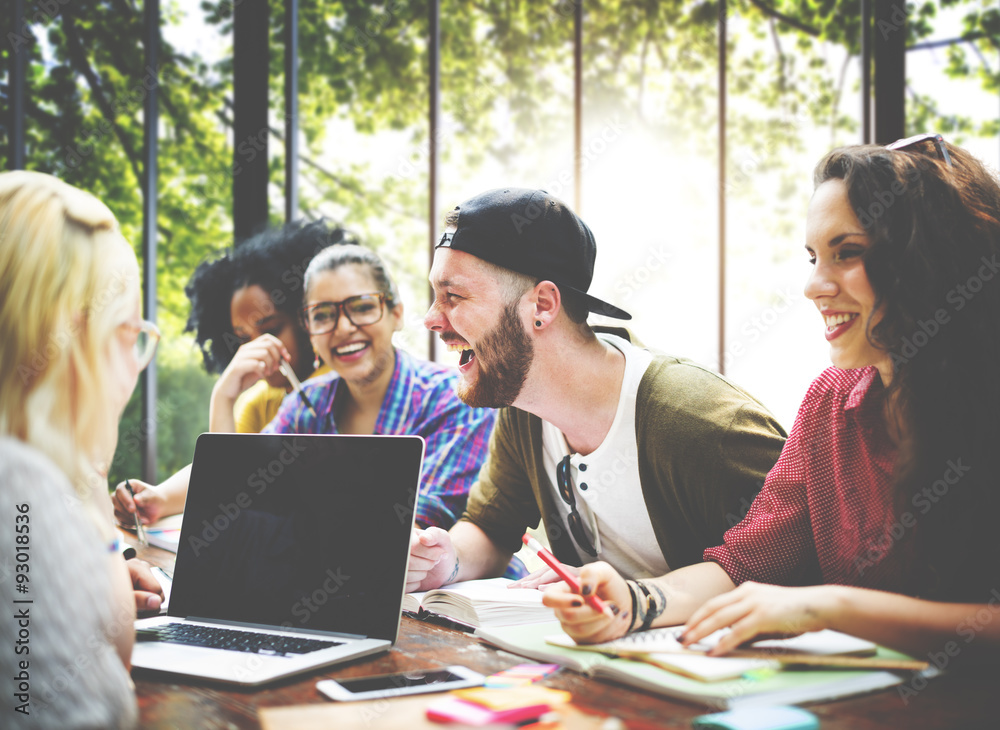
{"points": [[597, 605]]}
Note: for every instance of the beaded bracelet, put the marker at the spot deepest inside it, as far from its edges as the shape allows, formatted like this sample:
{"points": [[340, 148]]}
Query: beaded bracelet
{"points": [[632, 591], [650, 605]]}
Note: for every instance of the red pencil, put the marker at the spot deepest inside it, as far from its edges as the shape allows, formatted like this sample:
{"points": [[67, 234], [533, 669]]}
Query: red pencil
{"points": [[571, 580]]}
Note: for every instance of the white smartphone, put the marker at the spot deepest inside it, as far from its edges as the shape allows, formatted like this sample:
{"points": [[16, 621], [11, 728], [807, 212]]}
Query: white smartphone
{"points": [[397, 685]]}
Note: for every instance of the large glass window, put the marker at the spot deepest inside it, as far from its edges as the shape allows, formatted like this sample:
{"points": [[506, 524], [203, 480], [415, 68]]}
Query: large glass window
{"points": [[649, 150]]}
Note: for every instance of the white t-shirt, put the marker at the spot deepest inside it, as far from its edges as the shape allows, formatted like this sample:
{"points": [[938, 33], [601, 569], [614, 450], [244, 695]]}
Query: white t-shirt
{"points": [[606, 482]]}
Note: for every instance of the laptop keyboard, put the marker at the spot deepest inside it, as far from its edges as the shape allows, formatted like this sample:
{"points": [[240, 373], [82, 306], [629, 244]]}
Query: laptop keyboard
{"points": [[248, 641]]}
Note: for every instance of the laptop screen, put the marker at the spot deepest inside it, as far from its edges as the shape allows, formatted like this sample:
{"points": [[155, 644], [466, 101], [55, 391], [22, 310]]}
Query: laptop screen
{"points": [[304, 532]]}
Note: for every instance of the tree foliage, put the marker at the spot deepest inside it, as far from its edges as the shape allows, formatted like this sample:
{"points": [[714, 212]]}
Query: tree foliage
{"points": [[506, 69]]}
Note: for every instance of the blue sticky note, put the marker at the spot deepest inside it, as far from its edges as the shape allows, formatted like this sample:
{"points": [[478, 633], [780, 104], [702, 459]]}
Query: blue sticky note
{"points": [[759, 718]]}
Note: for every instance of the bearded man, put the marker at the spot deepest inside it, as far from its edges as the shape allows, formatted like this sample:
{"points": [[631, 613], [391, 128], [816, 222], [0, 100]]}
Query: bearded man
{"points": [[629, 456]]}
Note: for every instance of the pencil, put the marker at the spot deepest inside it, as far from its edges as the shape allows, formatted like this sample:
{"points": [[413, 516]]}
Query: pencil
{"points": [[571, 580], [138, 524], [286, 370]]}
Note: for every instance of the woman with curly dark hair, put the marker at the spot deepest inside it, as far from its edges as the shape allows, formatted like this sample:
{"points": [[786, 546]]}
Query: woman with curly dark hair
{"points": [[245, 316], [878, 519]]}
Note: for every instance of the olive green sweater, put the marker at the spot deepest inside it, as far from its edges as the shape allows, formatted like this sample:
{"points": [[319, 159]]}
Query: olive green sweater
{"points": [[704, 446]]}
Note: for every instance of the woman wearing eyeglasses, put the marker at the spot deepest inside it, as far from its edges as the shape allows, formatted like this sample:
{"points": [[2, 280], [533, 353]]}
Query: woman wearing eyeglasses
{"points": [[879, 518], [351, 311], [73, 344], [245, 315]]}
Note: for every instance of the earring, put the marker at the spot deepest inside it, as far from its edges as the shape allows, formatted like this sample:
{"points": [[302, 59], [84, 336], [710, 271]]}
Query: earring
{"points": [[538, 323], [316, 363]]}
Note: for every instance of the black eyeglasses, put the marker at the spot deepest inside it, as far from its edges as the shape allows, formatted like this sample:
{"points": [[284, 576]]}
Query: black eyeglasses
{"points": [[917, 139], [574, 519], [361, 310]]}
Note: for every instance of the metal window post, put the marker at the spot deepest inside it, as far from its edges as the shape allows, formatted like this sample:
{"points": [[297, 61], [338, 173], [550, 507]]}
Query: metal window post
{"points": [[434, 114], [578, 106], [17, 71], [866, 71], [889, 46], [723, 38], [250, 127], [150, 171], [291, 110]]}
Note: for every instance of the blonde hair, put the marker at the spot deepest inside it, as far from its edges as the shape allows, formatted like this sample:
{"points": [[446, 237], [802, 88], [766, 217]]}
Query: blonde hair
{"points": [[67, 278]]}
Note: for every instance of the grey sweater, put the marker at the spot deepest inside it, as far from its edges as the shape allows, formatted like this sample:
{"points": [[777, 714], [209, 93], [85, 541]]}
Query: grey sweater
{"points": [[66, 661]]}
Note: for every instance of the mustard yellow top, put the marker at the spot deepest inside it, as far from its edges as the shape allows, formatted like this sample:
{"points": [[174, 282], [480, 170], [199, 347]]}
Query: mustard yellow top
{"points": [[258, 405]]}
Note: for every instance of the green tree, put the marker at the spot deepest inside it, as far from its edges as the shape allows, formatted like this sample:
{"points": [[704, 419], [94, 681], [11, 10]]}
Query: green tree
{"points": [[505, 67]]}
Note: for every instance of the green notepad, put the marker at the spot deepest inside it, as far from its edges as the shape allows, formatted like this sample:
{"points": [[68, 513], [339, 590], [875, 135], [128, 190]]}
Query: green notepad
{"points": [[756, 688]]}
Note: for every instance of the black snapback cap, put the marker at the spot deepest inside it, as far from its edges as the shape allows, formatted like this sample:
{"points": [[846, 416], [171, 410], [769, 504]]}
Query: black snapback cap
{"points": [[533, 233]]}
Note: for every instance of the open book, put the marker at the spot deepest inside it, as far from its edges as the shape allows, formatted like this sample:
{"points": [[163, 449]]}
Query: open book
{"points": [[479, 603], [751, 682]]}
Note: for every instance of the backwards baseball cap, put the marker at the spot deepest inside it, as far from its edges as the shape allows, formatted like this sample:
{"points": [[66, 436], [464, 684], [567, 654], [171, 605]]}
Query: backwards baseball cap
{"points": [[533, 233]]}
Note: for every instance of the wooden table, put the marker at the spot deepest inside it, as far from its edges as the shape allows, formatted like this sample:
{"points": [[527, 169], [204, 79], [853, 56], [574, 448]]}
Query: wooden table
{"points": [[168, 701]]}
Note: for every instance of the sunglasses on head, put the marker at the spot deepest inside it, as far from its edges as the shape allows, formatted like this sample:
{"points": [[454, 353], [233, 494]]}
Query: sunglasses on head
{"points": [[901, 144]]}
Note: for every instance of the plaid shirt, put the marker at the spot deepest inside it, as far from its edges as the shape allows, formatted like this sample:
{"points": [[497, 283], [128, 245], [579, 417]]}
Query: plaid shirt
{"points": [[421, 401]]}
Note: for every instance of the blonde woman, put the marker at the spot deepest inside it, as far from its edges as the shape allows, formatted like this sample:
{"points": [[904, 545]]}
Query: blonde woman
{"points": [[73, 347]]}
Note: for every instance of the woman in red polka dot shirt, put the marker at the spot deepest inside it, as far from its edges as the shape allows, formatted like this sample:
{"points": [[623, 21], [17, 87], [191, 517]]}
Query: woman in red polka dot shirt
{"points": [[879, 518]]}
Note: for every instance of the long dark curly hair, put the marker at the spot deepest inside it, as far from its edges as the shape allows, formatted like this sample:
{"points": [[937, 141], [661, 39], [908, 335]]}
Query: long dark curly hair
{"points": [[934, 265], [276, 261]]}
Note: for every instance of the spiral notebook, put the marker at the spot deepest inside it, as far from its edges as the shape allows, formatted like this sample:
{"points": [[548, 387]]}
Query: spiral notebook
{"points": [[756, 685]]}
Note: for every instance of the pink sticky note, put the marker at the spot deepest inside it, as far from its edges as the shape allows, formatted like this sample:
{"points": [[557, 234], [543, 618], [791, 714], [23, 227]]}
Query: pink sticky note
{"points": [[452, 709]]}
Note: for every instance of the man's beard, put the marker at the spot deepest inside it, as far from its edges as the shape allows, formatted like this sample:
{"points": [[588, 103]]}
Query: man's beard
{"points": [[503, 358]]}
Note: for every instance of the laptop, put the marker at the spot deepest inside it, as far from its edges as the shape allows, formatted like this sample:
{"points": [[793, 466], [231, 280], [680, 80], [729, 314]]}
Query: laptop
{"points": [[292, 556]]}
